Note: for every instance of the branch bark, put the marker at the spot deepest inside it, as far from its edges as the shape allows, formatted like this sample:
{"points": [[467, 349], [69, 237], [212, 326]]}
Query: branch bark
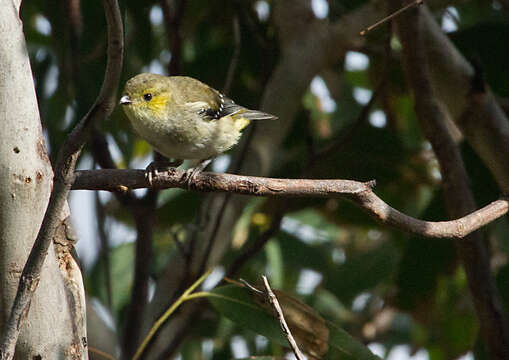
{"points": [[474, 109], [458, 196], [358, 192], [63, 180]]}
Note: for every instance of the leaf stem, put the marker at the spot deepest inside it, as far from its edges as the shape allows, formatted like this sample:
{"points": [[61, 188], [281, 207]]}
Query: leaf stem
{"points": [[184, 297]]}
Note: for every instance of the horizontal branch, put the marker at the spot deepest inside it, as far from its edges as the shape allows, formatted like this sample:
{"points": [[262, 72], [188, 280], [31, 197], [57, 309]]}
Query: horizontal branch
{"points": [[358, 192], [121, 180]]}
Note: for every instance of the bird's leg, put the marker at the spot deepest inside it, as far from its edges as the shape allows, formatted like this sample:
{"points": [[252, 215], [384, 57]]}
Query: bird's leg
{"points": [[194, 171], [157, 166]]}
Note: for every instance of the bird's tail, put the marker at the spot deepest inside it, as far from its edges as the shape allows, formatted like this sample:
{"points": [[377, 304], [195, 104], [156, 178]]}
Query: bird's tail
{"points": [[244, 116], [228, 107], [255, 115]]}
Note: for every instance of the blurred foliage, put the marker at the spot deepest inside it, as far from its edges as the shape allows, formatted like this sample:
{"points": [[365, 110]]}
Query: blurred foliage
{"points": [[380, 285]]}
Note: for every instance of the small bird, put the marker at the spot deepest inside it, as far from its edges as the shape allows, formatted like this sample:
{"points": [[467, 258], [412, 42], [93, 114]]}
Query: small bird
{"points": [[184, 119]]}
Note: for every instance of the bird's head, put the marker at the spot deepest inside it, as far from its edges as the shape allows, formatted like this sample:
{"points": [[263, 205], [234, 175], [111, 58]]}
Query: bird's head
{"points": [[146, 95]]}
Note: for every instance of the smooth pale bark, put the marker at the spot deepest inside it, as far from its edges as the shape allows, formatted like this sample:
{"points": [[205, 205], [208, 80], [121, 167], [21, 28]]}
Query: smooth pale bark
{"points": [[25, 185]]}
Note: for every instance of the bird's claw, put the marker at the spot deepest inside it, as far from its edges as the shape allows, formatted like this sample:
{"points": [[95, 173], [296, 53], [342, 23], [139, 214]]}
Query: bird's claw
{"points": [[150, 172], [191, 174], [156, 167]]}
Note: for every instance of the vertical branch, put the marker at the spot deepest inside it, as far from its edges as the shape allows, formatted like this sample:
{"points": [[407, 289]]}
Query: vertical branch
{"points": [[144, 218], [143, 212], [232, 68], [75, 26], [104, 251], [172, 22], [458, 196], [144, 209]]}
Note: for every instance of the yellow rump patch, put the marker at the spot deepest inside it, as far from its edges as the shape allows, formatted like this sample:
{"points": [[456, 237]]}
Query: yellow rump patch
{"points": [[241, 123]]}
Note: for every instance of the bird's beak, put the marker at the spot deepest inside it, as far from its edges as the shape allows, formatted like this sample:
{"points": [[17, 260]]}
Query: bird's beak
{"points": [[125, 100]]}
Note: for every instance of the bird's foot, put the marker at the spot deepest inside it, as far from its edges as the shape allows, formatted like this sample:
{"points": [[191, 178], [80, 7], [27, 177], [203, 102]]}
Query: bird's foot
{"points": [[155, 167], [191, 173]]}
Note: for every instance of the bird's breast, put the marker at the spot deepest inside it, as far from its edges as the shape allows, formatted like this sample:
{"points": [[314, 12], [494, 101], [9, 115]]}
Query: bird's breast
{"points": [[185, 135]]}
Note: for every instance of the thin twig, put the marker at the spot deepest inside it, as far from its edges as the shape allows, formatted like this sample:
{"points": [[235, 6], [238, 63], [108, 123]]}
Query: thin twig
{"points": [[142, 210], [394, 14], [284, 326], [246, 284], [64, 175], [347, 134], [358, 192]]}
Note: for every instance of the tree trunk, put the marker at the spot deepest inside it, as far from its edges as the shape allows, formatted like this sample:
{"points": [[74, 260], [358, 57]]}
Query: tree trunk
{"points": [[55, 324]]}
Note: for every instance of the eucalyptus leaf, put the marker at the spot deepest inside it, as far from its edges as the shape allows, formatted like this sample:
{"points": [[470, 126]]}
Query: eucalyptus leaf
{"points": [[313, 334]]}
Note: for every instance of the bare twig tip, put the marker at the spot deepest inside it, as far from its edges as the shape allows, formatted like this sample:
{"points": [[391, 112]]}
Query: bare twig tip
{"points": [[389, 17], [251, 287], [371, 183]]}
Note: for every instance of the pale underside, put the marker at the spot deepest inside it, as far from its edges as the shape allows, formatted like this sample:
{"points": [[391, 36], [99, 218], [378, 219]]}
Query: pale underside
{"points": [[186, 135]]}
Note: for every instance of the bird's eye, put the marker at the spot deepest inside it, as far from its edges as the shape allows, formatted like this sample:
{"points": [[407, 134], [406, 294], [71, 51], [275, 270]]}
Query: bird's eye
{"points": [[147, 97]]}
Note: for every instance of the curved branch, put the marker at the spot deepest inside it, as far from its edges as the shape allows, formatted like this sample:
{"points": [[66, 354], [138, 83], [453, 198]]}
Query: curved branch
{"points": [[64, 170], [358, 192]]}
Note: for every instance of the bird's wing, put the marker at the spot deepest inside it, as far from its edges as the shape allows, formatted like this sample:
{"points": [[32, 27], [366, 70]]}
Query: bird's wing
{"points": [[228, 107], [214, 105], [197, 96]]}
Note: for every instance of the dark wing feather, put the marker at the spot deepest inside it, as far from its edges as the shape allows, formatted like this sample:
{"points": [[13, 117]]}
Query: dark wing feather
{"points": [[228, 107]]}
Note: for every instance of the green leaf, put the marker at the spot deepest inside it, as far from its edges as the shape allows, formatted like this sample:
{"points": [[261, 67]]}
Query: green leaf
{"points": [[236, 303], [311, 332], [345, 347]]}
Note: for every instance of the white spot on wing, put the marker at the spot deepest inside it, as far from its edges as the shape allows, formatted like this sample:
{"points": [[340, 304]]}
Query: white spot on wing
{"points": [[199, 106]]}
